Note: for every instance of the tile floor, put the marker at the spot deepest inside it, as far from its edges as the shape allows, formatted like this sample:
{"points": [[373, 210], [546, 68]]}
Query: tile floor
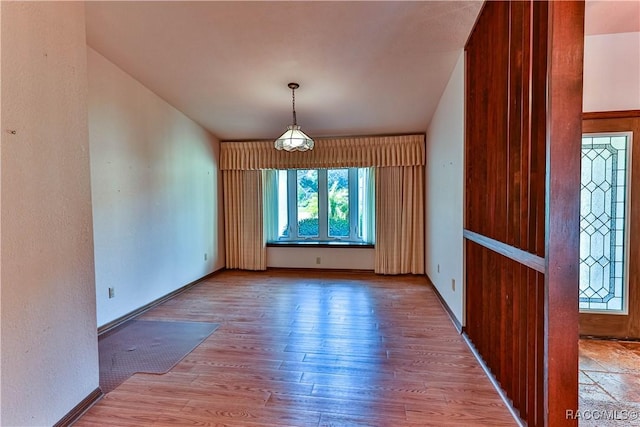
{"points": [[609, 380]]}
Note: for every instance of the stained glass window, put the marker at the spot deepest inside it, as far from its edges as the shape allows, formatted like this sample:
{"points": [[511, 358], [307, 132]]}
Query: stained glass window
{"points": [[603, 222]]}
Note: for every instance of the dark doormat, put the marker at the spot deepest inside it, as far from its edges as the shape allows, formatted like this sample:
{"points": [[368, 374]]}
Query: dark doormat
{"points": [[148, 346]]}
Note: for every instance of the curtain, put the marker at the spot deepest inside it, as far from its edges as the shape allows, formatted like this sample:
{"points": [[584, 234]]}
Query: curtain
{"points": [[243, 220], [400, 220], [397, 166], [354, 152]]}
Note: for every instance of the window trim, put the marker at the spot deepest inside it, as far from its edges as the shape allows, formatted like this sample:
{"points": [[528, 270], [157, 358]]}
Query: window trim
{"points": [[318, 244], [323, 212]]}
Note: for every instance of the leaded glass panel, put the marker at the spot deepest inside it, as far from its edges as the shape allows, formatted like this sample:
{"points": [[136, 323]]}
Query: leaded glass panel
{"points": [[603, 222]]}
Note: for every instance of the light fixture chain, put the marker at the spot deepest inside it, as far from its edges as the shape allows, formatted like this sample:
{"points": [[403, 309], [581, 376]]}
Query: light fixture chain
{"points": [[293, 103]]}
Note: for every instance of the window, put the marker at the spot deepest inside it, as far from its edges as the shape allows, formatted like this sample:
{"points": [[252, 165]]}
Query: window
{"points": [[324, 205], [604, 209]]}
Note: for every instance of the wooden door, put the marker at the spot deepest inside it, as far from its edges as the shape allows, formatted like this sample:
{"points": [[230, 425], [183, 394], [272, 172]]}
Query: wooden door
{"points": [[615, 324]]}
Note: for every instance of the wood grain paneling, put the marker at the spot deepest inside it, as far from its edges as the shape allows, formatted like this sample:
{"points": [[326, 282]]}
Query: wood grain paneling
{"points": [[488, 81], [621, 326], [505, 154], [505, 200], [522, 168], [523, 257], [620, 114], [562, 234], [516, 362]]}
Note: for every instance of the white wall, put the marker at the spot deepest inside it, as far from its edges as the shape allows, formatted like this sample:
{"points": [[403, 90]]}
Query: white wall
{"points": [[444, 193], [330, 258], [48, 323], [156, 191], [612, 72]]}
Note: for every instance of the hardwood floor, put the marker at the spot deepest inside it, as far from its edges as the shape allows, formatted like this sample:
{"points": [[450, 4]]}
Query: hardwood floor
{"points": [[609, 381], [311, 349]]}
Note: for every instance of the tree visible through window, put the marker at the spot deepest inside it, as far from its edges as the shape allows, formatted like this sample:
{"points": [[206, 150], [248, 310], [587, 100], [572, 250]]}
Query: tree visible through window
{"points": [[338, 202], [324, 204], [307, 190]]}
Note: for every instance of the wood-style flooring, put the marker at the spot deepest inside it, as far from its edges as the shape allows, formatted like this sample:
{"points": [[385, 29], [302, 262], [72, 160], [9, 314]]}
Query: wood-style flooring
{"points": [[311, 349], [609, 382]]}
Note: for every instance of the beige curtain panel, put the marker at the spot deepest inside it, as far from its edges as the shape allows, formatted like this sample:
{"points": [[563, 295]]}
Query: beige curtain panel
{"points": [[399, 195], [245, 247], [399, 220], [353, 152]]}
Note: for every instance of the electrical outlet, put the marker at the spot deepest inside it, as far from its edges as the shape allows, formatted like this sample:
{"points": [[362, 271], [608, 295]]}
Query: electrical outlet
{"points": [[453, 285], [112, 292], [318, 260], [205, 256]]}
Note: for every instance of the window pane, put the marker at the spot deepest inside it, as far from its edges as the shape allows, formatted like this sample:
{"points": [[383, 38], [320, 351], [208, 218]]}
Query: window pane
{"points": [[283, 224], [362, 207], [307, 189], [338, 202], [366, 205], [603, 221]]}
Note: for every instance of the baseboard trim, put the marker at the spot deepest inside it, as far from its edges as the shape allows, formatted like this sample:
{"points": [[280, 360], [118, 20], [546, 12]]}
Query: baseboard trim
{"points": [[507, 402], [320, 270], [443, 303], [82, 407], [135, 313], [607, 338]]}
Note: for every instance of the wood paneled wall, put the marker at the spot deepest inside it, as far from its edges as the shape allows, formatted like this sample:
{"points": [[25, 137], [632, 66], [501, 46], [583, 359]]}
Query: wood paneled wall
{"points": [[523, 108], [505, 131], [506, 300]]}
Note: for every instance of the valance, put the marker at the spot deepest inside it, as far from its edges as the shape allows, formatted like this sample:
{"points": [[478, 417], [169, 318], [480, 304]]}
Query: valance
{"points": [[365, 151]]}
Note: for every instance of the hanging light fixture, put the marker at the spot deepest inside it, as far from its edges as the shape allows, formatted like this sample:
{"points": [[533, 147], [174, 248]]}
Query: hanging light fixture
{"points": [[294, 139]]}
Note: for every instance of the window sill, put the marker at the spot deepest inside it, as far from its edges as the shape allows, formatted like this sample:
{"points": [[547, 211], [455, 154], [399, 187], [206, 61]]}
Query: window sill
{"points": [[315, 244]]}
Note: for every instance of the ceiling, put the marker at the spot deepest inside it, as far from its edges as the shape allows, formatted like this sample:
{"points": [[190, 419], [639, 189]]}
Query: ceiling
{"points": [[611, 16], [364, 68]]}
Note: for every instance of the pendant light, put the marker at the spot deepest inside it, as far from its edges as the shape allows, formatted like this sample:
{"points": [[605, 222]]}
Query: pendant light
{"points": [[294, 139]]}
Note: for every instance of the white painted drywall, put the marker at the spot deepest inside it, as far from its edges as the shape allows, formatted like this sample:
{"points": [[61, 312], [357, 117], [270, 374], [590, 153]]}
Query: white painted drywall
{"points": [[48, 323], [156, 193], [612, 72], [330, 258], [444, 193]]}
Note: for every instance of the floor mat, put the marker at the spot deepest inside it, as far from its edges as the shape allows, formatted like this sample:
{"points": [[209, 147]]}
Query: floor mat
{"points": [[148, 346]]}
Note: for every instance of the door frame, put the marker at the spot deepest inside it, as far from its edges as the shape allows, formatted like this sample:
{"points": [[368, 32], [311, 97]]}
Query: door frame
{"points": [[621, 326]]}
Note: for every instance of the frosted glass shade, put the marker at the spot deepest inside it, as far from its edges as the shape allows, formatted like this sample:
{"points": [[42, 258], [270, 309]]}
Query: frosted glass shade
{"points": [[294, 140]]}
